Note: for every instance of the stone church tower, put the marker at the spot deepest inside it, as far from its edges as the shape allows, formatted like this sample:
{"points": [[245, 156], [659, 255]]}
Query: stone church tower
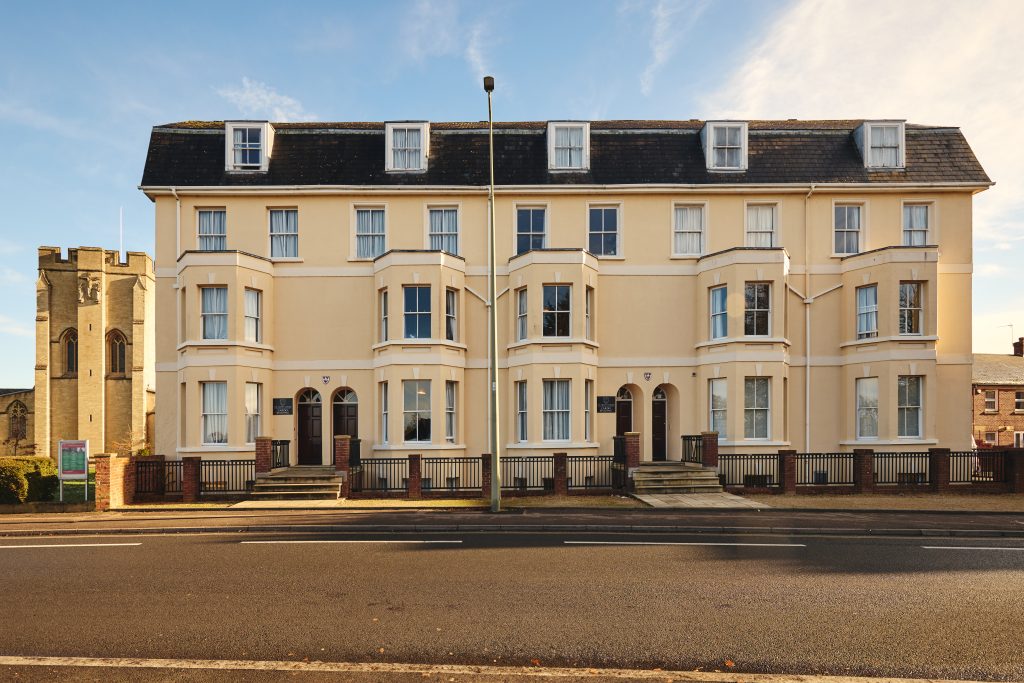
{"points": [[95, 342]]}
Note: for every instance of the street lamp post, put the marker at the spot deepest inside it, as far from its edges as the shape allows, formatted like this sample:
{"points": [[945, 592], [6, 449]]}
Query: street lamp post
{"points": [[492, 310]]}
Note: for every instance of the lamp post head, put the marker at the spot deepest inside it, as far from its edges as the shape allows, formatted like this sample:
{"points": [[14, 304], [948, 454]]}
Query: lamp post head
{"points": [[489, 83]]}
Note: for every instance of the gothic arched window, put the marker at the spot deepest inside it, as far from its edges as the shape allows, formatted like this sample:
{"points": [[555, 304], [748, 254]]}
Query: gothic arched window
{"points": [[116, 345], [17, 413], [69, 351]]}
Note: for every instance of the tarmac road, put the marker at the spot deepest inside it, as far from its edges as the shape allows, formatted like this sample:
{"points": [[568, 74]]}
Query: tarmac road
{"points": [[910, 607]]}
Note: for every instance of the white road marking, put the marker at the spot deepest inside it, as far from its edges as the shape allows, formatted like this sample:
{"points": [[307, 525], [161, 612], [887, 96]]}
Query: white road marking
{"points": [[967, 547], [751, 545], [68, 545], [345, 541], [427, 670]]}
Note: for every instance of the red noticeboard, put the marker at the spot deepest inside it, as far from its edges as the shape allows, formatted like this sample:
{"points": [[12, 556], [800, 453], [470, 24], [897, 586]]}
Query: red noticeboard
{"points": [[73, 461]]}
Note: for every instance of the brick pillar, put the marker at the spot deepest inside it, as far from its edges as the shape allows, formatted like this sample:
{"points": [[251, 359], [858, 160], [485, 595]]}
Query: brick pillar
{"points": [[485, 475], [190, 472], [632, 441], [709, 449], [101, 493], [342, 462], [863, 470], [415, 476], [787, 469], [562, 474], [122, 468], [938, 465], [263, 455]]}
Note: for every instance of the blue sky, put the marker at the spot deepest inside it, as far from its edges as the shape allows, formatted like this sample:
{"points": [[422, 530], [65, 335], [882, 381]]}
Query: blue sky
{"points": [[81, 84]]}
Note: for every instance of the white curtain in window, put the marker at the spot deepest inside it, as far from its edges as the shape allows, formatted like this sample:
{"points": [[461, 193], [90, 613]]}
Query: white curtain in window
{"points": [[215, 412], [284, 233], [252, 411], [521, 411], [449, 411], [718, 406], [212, 230], [689, 229], [556, 410], [867, 407], [867, 310], [215, 309], [405, 147], [444, 230], [719, 317], [727, 146], [885, 146], [369, 233], [569, 146], [252, 315], [915, 225], [761, 225]]}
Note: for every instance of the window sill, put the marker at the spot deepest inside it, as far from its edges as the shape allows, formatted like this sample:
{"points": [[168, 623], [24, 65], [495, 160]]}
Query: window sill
{"points": [[548, 341], [742, 340], [753, 442], [609, 257], [418, 342], [568, 169], [904, 441], [690, 257], [419, 446], [729, 169], [405, 171], [206, 343], [891, 338], [286, 259]]}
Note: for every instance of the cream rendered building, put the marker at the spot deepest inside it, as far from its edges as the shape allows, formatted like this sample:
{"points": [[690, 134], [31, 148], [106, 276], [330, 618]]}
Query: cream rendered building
{"points": [[789, 284]]}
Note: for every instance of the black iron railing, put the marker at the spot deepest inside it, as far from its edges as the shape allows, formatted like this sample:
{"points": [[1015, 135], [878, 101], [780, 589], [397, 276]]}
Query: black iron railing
{"points": [[384, 474], [354, 457], [451, 474], [693, 448], [174, 475], [750, 470], [982, 467], [227, 476], [589, 472], [824, 469], [619, 449], [279, 453], [902, 469], [528, 473], [149, 476]]}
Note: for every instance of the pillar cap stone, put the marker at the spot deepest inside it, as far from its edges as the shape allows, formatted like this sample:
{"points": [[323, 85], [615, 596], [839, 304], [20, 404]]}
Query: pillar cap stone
{"points": [[341, 436]]}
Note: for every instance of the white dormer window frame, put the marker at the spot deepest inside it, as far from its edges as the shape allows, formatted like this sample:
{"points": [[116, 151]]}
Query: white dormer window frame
{"points": [[556, 149], [872, 138], [715, 137], [247, 146], [400, 152]]}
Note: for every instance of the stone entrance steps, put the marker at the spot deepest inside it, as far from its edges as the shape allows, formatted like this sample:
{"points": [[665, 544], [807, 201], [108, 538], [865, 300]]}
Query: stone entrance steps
{"points": [[675, 477], [298, 483]]}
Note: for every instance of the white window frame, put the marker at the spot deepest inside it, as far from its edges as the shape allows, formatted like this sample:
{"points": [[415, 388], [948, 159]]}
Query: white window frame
{"points": [[868, 132], [416, 410], [713, 313], [543, 208], [369, 236], [522, 314], [905, 312], [767, 410], [865, 409], [588, 416], [256, 320], [253, 418], [552, 156], [229, 146], [995, 400], [207, 413], [1018, 401], [451, 399], [389, 147], [712, 383], [522, 416], [588, 312], [868, 312], [994, 440], [767, 311], [707, 138], [382, 303], [861, 213], [441, 236], [222, 237], [556, 312], [204, 314], [451, 314], [384, 412], [1018, 439], [270, 232], [677, 232], [776, 240], [545, 411], [604, 206], [901, 406], [929, 230], [417, 312]]}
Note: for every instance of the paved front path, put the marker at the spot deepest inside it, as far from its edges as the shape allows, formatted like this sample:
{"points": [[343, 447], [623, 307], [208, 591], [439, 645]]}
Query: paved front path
{"points": [[697, 500]]}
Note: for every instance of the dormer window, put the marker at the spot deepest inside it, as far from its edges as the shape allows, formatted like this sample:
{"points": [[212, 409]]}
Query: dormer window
{"points": [[725, 145], [247, 145], [882, 144], [568, 146], [407, 146]]}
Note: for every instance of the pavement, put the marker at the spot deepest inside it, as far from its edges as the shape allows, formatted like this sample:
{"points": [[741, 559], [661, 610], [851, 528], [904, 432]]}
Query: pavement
{"points": [[554, 603], [697, 500]]}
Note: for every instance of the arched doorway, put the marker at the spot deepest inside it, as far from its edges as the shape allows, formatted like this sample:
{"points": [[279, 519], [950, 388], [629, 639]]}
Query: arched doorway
{"points": [[345, 410], [310, 427], [623, 411], [659, 424]]}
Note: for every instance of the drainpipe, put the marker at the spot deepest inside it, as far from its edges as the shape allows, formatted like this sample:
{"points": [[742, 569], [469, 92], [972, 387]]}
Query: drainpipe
{"points": [[807, 321]]}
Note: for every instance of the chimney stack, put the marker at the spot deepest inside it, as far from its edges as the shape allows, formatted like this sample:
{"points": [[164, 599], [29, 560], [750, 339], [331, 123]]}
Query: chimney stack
{"points": [[1018, 347]]}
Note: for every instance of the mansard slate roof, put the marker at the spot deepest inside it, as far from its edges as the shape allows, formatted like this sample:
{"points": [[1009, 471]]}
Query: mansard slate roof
{"points": [[191, 153]]}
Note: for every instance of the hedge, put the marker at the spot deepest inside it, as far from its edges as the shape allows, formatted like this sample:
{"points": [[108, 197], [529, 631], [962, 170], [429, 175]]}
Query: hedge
{"points": [[39, 473]]}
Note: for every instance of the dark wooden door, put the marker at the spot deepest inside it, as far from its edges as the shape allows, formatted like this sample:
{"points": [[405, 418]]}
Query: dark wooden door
{"points": [[310, 433], [659, 427], [346, 419], [623, 417]]}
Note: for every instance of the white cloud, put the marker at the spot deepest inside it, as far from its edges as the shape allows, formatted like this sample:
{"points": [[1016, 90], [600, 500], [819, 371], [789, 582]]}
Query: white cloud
{"points": [[989, 269], [26, 115], [9, 276], [15, 328], [933, 63], [259, 100], [474, 52], [671, 20], [435, 29]]}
